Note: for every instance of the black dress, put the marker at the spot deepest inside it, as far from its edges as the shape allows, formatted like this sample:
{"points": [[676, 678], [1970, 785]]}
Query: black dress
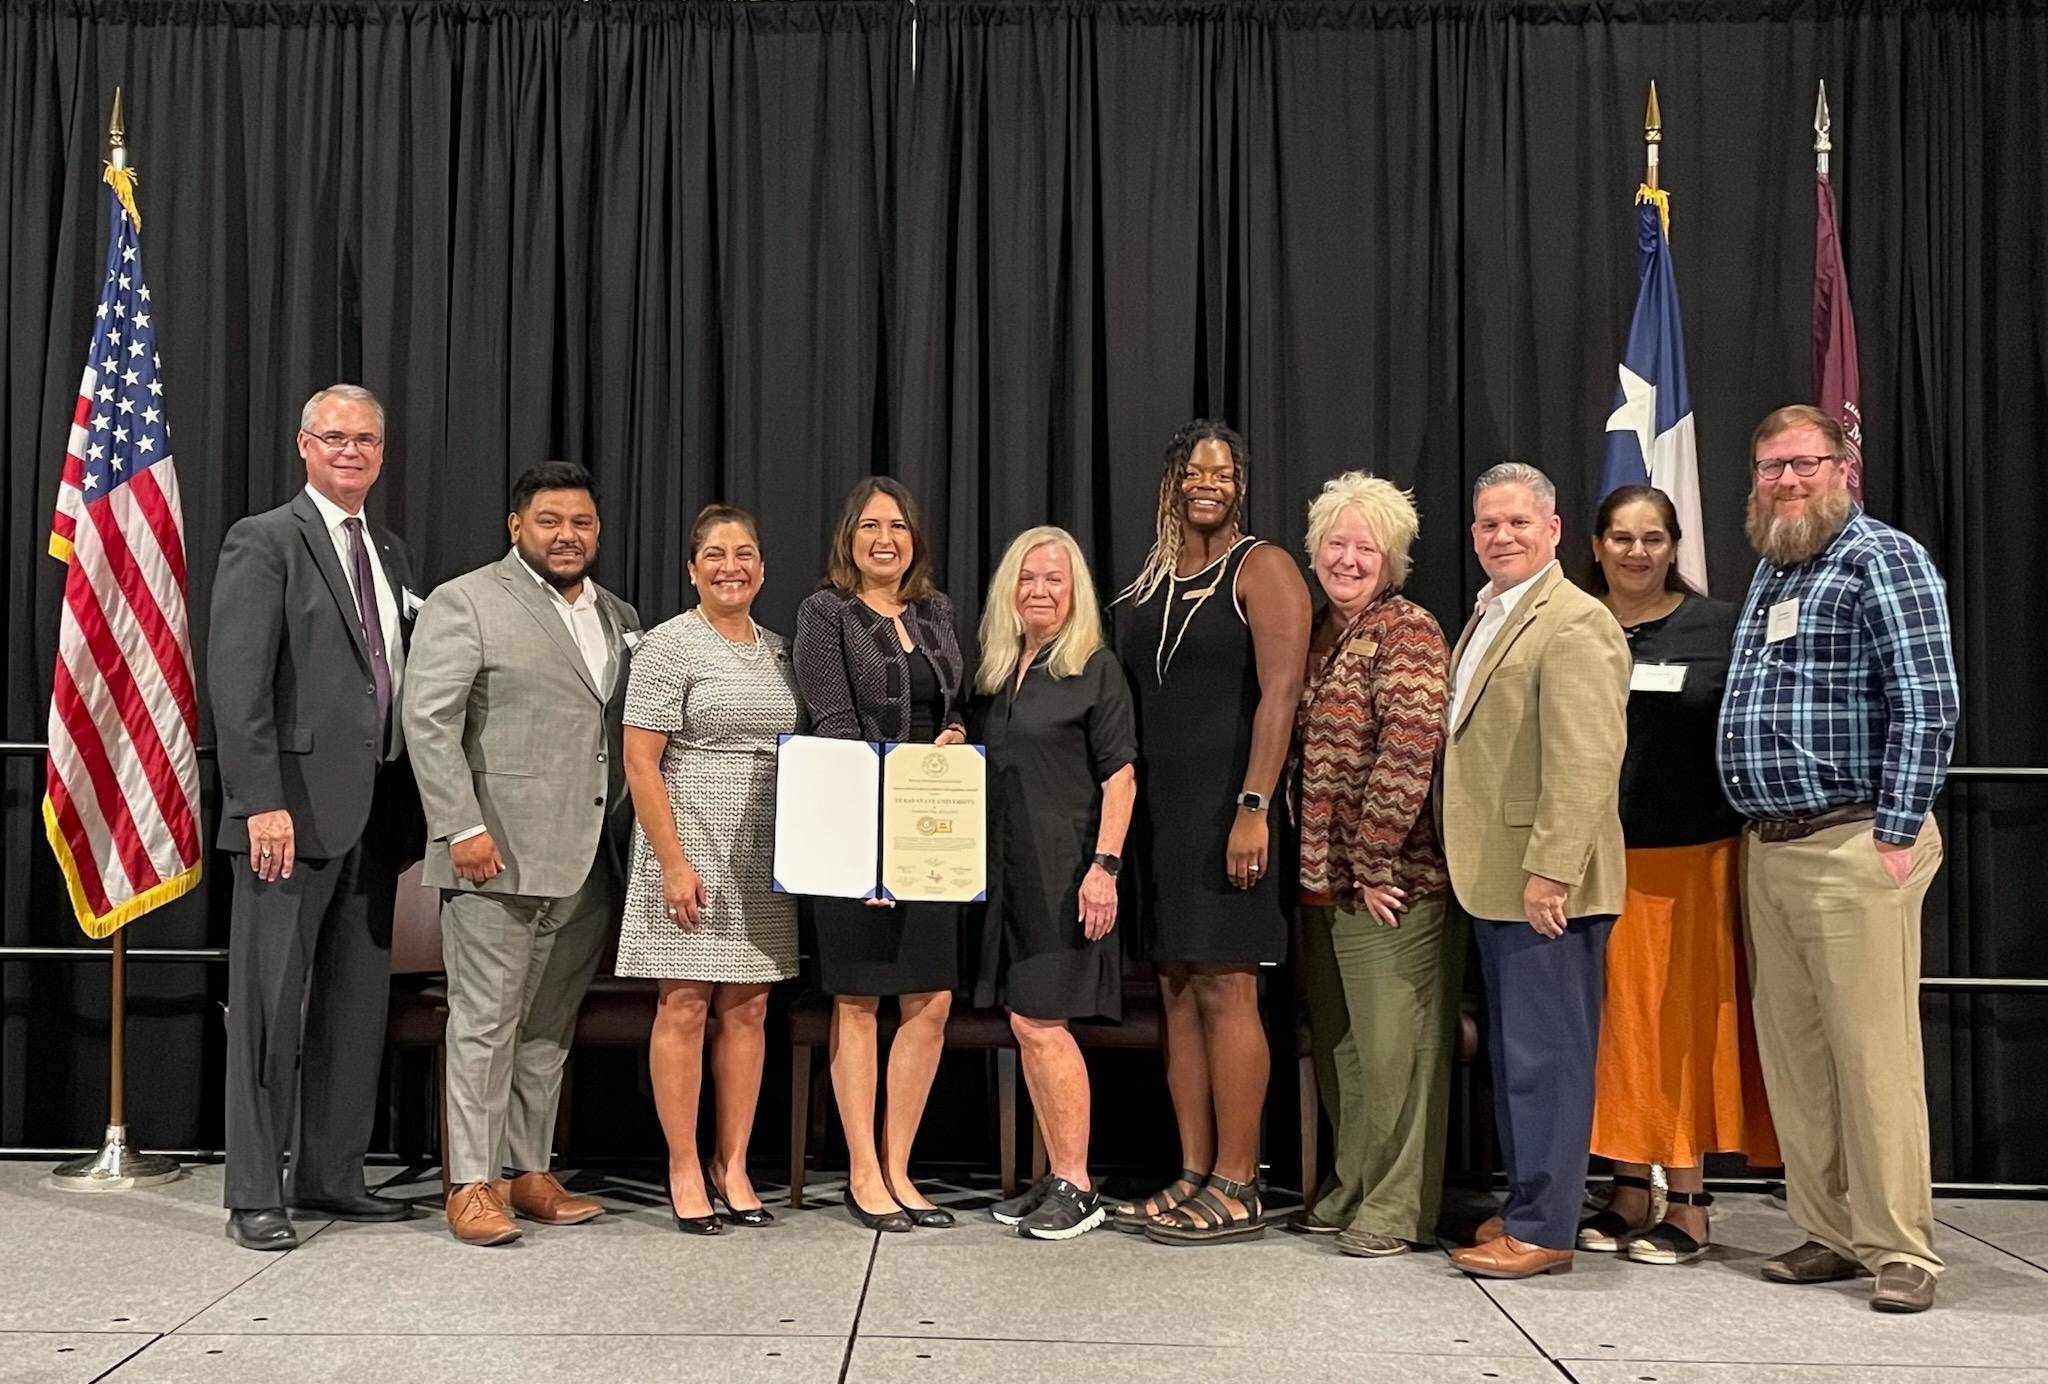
{"points": [[912, 947], [1051, 744], [1670, 785], [1187, 650]]}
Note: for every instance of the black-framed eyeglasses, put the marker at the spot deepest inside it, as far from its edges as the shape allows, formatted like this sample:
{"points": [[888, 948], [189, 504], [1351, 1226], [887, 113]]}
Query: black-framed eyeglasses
{"points": [[1801, 466]]}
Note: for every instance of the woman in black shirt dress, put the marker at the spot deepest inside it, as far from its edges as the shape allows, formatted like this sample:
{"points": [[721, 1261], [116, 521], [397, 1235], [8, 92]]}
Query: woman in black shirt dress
{"points": [[877, 659], [1214, 638], [1055, 717]]}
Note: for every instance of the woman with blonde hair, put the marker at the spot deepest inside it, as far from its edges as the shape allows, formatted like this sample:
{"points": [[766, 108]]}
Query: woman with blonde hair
{"points": [[1381, 959], [1055, 716]]}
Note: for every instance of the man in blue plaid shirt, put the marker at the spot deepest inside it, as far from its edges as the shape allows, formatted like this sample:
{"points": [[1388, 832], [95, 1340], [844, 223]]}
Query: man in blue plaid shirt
{"points": [[1835, 737]]}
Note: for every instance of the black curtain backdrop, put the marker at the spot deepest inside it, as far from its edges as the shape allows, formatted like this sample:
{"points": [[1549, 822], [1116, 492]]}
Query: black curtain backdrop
{"points": [[753, 251]]}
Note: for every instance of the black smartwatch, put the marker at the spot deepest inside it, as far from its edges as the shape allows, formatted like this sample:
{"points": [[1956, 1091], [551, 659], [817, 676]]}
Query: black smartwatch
{"points": [[1252, 802], [1111, 865]]}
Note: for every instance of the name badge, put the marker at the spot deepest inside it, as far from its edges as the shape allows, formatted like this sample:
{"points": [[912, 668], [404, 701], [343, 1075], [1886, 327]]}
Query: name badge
{"points": [[1364, 648], [1782, 622], [409, 601], [631, 639], [1657, 677]]}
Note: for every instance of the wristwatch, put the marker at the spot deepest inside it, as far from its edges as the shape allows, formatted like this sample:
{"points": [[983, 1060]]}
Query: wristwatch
{"points": [[1252, 802], [1111, 865]]}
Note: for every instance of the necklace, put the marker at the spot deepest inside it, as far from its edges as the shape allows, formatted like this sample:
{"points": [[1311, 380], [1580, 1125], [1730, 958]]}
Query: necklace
{"points": [[744, 650], [1162, 659]]}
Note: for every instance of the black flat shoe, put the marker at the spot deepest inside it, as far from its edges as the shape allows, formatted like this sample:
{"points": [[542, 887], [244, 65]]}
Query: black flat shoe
{"points": [[929, 1218], [368, 1208], [268, 1228], [895, 1222], [752, 1216]]}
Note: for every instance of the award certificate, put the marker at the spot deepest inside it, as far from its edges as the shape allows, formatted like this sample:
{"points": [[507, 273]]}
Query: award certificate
{"points": [[935, 823]]}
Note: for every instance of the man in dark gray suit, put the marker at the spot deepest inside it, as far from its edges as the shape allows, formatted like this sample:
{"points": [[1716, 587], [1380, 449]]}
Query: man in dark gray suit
{"points": [[513, 703], [319, 817]]}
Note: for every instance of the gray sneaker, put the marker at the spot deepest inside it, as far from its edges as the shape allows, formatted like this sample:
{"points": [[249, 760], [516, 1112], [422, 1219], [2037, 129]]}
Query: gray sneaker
{"points": [[1011, 1210], [1066, 1212], [1365, 1244]]}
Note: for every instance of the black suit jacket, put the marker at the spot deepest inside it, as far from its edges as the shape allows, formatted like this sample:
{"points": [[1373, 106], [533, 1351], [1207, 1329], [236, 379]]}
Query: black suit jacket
{"points": [[294, 707]]}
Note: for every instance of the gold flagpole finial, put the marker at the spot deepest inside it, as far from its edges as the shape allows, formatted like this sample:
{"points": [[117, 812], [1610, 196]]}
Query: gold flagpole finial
{"points": [[1653, 136], [119, 176], [1822, 125]]}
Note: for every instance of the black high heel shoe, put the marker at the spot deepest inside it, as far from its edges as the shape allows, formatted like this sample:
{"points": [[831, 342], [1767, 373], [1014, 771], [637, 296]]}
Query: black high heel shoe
{"points": [[753, 1216], [895, 1222], [693, 1225]]}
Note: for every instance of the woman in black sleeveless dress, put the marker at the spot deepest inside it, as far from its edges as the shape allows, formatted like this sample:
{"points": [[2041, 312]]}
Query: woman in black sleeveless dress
{"points": [[1214, 636], [877, 658]]}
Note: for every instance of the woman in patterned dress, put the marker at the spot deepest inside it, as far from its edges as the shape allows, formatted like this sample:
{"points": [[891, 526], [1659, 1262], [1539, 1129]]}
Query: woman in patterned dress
{"points": [[710, 691]]}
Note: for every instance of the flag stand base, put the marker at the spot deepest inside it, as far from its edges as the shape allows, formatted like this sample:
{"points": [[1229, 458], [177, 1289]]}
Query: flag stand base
{"points": [[115, 1168]]}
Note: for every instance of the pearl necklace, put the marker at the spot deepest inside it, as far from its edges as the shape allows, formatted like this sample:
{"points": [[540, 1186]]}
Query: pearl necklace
{"points": [[744, 651]]}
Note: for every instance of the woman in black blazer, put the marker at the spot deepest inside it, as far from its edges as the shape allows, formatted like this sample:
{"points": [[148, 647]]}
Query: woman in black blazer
{"points": [[877, 658]]}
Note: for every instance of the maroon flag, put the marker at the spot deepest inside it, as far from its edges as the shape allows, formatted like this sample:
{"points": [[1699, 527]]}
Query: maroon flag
{"points": [[1836, 385]]}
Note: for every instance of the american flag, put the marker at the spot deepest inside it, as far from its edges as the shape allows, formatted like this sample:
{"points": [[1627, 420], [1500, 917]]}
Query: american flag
{"points": [[121, 805]]}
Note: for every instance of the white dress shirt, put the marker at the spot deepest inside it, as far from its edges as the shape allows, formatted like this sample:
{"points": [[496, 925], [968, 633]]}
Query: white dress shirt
{"points": [[333, 515], [1494, 608]]}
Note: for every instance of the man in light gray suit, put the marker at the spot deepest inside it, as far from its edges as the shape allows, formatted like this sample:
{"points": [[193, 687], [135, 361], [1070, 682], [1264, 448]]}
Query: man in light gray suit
{"points": [[318, 818], [513, 700]]}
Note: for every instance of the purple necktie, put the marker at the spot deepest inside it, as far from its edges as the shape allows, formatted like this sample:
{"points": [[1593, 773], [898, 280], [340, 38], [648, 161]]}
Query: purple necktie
{"points": [[373, 623]]}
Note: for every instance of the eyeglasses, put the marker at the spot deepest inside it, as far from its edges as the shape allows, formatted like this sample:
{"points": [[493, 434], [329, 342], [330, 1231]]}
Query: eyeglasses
{"points": [[1801, 466], [1649, 543], [339, 442]]}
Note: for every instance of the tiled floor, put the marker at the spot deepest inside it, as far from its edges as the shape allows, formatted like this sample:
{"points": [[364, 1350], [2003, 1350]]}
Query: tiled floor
{"points": [[144, 1286]]}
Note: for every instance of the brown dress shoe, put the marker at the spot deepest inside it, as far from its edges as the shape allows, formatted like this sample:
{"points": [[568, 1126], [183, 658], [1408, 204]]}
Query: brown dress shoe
{"points": [[1812, 1262], [538, 1197], [477, 1217], [1508, 1257], [1902, 1288], [1490, 1229]]}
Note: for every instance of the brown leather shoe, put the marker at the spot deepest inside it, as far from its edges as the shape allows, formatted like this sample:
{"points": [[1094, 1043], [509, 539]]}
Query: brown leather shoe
{"points": [[1508, 1257], [1902, 1288], [538, 1197], [1490, 1229], [477, 1217], [1812, 1262]]}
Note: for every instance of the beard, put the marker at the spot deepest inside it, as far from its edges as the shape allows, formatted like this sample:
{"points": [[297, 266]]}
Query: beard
{"points": [[537, 562], [1797, 537]]}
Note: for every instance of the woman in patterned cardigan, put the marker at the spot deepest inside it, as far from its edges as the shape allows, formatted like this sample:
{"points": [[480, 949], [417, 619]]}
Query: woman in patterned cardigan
{"points": [[1380, 959]]}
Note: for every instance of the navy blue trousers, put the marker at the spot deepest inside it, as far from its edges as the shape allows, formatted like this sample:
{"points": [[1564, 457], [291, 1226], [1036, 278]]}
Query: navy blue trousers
{"points": [[1543, 1001]]}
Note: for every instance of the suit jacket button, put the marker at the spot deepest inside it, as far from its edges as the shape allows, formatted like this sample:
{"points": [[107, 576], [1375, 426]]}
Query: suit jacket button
{"points": [[600, 802], [371, 689], [600, 757]]}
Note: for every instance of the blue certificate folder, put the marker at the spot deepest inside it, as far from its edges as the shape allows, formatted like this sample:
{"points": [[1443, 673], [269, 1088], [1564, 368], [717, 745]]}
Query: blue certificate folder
{"points": [[829, 810]]}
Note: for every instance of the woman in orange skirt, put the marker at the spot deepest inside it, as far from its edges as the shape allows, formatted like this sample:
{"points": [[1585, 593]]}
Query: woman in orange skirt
{"points": [[1678, 1075]]}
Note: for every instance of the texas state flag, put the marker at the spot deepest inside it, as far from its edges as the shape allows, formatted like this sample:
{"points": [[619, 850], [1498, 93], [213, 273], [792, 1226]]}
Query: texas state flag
{"points": [[1650, 434]]}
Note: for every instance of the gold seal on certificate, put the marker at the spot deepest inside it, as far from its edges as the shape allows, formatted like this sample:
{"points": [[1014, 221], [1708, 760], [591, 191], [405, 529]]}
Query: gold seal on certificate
{"points": [[934, 823]]}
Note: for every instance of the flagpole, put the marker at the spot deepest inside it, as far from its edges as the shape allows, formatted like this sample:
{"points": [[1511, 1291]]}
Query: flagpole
{"points": [[116, 1167]]}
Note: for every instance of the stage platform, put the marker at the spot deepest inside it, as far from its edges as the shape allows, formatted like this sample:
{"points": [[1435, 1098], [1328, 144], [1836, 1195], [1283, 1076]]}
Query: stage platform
{"points": [[144, 1286]]}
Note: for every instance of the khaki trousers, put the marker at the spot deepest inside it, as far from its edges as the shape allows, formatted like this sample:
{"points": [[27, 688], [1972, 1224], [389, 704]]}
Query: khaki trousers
{"points": [[1383, 1013], [1834, 965]]}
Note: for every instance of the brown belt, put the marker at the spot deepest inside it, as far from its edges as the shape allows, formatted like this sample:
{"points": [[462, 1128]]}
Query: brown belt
{"points": [[1799, 828]]}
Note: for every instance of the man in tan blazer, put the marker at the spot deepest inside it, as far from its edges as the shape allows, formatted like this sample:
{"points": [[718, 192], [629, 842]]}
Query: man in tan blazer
{"points": [[1528, 798], [513, 698]]}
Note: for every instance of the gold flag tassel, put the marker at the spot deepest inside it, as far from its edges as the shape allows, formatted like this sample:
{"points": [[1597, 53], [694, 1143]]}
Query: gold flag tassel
{"points": [[1659, 198]]}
